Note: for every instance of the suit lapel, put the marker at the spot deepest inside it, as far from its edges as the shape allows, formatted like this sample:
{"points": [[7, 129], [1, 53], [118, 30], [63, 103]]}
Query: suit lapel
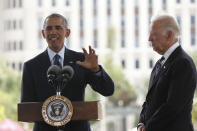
{"points": [[153, 81], [68, 57], [44, 61], [152, 78]]}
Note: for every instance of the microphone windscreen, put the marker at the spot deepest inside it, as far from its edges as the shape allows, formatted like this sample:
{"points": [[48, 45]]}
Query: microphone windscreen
{"points": [[67, 71], [53, 70]]}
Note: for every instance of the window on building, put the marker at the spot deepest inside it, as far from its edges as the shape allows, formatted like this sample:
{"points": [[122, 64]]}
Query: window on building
{"points": [[122, 2], [95, 22], [39, 3], [21, 45], [13, 65], [40, 40], [149, 19], [4, 46], [136, 2], [53, 3], [149, 44], [40, 23], [123, 38], [180, 41], [193, 40], [122, 43], [150, 2], [193, 20], [108, 3], [5, 25], [137, 42], [20, 4], [81, 42], [14, 24], [137, 64], [95, 4], [20, 24], [8, 3], [68, 41], [123, 64], [122, 23], [164, 2], [150, 63], [9, 46], [136, 21], [81, 3], [9, 25], [192, 1], [14, 3], [193, 30], [67, 2], [136, 29], [95, 43], [178, 1], [179, 20], [20, 66], [14, 46], [81, 23]]}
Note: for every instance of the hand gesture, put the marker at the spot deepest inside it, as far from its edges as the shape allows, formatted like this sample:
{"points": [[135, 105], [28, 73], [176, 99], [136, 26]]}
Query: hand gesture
{"points": [[91, 60]]}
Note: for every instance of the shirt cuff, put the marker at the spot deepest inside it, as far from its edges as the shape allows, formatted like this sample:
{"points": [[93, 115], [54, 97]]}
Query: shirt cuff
{"points": [[98, 73], [139, 124]]}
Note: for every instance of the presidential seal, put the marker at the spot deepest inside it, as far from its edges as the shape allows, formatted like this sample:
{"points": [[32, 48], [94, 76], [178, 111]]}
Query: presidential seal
{"points": [[57, 110]]}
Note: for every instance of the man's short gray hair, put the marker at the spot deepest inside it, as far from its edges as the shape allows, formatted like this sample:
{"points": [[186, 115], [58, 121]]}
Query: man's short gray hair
{"points": [[168, 22], [55, 15]]}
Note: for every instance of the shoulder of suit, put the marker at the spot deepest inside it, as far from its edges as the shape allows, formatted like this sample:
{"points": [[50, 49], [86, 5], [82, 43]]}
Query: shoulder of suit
{"points": [[183, 58], [37, 58], [75, 54]]}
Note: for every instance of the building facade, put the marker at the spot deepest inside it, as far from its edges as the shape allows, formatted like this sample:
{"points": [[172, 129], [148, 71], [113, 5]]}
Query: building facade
{"points": [[117, 29]]}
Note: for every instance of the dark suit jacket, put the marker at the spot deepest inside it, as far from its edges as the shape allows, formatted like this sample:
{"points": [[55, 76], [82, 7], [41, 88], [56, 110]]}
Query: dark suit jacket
{"points": [[35, 87], [169, 100]]}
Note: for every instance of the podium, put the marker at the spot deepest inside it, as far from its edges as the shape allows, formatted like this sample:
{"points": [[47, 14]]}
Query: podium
{"points": [[31, 111]]}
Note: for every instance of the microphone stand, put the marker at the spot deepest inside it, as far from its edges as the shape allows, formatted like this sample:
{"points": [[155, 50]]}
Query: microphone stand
{"points": [[58, 93]]}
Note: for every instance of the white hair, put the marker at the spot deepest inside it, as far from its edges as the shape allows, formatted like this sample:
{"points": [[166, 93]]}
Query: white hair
{"points": [[168, 23]]}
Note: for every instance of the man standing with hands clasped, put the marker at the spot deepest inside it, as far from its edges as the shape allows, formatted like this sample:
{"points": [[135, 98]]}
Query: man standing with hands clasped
{"points": [[168, 103], [35, 87]]}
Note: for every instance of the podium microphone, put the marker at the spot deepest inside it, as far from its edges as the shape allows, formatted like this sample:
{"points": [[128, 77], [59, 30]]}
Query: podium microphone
{"points": [[67, 74], [52, 74]]}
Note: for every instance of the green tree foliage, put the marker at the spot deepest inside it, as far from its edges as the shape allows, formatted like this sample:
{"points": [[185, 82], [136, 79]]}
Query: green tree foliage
{"points": [[194, 111], [90, 94], [2, 113], [110, 38], [124, 93], [9, 92]]}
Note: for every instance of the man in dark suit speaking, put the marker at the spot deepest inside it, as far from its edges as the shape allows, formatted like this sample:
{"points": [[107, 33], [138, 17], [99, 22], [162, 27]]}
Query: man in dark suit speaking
{"points": [[168, 103], [35, 87]]}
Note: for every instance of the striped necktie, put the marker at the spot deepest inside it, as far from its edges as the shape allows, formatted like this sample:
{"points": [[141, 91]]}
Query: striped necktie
{"points": [[159, 65], [57, 60]]}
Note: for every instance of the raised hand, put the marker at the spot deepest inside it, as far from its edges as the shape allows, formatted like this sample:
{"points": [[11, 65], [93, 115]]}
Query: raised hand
{"points": [[91, 60]]}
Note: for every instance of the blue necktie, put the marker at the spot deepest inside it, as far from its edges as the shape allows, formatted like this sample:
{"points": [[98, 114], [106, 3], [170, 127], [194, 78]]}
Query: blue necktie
{"points": [[159, 65], [57, 60]]}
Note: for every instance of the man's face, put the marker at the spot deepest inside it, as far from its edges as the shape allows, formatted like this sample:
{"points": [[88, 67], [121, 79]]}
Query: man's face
{"points": [[54, 32], [157, 38]]}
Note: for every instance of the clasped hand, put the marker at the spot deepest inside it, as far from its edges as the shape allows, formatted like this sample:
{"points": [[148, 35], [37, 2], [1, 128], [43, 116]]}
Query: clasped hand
{"points": [[142, 128]]}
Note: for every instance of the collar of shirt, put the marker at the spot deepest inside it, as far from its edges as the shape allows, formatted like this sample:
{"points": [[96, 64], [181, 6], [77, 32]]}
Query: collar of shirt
{"points": [[169, 52], [51, 54]]}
